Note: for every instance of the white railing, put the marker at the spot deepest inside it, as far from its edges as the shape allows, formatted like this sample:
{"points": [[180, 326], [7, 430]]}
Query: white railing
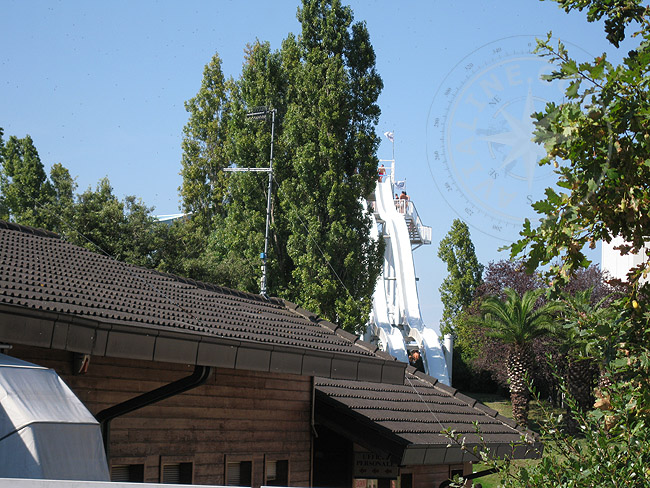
{"points": [[407, 208], [425, 233]]}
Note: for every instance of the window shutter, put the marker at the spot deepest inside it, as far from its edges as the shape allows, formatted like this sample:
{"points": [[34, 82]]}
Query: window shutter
{"points": [[277, 473], [271, 471], [239, 473], [232, 471], [128, 472]]}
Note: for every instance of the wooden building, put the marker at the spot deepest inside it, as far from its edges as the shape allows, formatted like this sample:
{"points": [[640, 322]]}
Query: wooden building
{"points": [[201, 384]]}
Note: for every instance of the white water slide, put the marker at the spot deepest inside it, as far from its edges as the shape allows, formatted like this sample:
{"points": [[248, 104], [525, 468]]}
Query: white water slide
{"points": [[396, 318]]}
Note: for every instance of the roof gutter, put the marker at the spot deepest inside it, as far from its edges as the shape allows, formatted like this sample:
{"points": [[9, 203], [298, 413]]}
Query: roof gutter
{"points": [[197, 378], [41, 328]]}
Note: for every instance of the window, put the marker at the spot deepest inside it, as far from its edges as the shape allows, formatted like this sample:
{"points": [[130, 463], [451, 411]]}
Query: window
{"points": [[128, 472], [277, 473], [406, 480], [239, 473], [178, 473]]}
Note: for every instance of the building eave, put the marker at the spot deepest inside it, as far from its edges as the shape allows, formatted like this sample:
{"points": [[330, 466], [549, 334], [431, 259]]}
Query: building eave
{"points": [[54, 330]]}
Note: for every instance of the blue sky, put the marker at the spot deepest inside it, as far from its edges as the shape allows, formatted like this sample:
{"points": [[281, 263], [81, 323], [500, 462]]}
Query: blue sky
{"points": [[100, 87]]}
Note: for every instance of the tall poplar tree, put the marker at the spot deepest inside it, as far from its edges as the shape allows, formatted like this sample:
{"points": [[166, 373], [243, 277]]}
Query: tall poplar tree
{"points": [[465, 274], [237, 240], [324, 88], [329, 131], [204, 146], [24, 187]]}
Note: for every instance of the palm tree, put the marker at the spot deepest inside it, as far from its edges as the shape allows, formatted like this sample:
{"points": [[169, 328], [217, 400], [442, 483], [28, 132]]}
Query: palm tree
{"points": [[581, 315], [516, 321]]}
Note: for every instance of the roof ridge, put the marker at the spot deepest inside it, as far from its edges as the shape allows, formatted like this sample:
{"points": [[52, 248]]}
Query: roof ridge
{"points": [[28, 230]]}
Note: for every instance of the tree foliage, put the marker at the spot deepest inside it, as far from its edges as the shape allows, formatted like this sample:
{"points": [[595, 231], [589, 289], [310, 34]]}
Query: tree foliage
{"points": [[124, 230], [96, 219], [600, 140], [581, 314], [485, 357], [458, 289], [204, 146], [24, 187], [324, 88]]}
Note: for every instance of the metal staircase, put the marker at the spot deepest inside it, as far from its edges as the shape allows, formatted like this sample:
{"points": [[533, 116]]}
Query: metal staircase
{"points": [[419, 234]]}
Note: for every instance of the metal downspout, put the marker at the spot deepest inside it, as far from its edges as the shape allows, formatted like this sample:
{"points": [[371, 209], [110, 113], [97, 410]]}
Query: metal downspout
{"points": [[197, 378]]}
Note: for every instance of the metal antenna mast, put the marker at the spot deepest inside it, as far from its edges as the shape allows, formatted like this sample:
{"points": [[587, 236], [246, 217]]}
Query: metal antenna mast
{"points": [[260, 113]]}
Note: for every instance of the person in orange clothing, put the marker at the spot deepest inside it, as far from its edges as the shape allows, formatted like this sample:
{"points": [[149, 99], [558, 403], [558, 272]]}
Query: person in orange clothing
{"points": [[382, 172]]}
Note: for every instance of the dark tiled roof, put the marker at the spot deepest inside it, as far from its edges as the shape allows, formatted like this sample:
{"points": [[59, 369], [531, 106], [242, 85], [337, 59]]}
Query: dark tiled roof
{"points": [[41, 273], [409, 420]]}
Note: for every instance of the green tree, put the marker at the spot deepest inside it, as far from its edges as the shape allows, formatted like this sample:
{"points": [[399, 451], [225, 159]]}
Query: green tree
{"points": [[4, 210], [517, 321], [182, 250], [465, 275], [324, 88], [24, 187], [602, 135], [124, 230], [329, 132], [204, 189], [204, 147], [27, 195], [238, 238], [58, 210], [581, 313], [599, 138]]}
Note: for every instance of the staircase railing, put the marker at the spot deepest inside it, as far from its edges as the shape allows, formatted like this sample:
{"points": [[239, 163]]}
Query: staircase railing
{"points": [[419, 233]]}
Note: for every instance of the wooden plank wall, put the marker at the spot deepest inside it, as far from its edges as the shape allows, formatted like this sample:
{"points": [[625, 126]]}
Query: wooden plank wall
{"points": [[236, 415]]}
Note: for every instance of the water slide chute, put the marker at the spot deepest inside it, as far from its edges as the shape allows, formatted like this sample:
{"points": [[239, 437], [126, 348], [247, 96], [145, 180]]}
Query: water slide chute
{"points": [[396, 320]]}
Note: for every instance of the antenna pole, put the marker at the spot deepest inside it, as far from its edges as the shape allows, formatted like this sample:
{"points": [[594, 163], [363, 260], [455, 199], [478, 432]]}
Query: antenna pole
{"points": [[263, 290], [260, 113]]}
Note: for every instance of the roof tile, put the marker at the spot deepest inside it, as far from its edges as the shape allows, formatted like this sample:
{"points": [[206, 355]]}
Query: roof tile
{"points": [[419, 411], [40, 271]]}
